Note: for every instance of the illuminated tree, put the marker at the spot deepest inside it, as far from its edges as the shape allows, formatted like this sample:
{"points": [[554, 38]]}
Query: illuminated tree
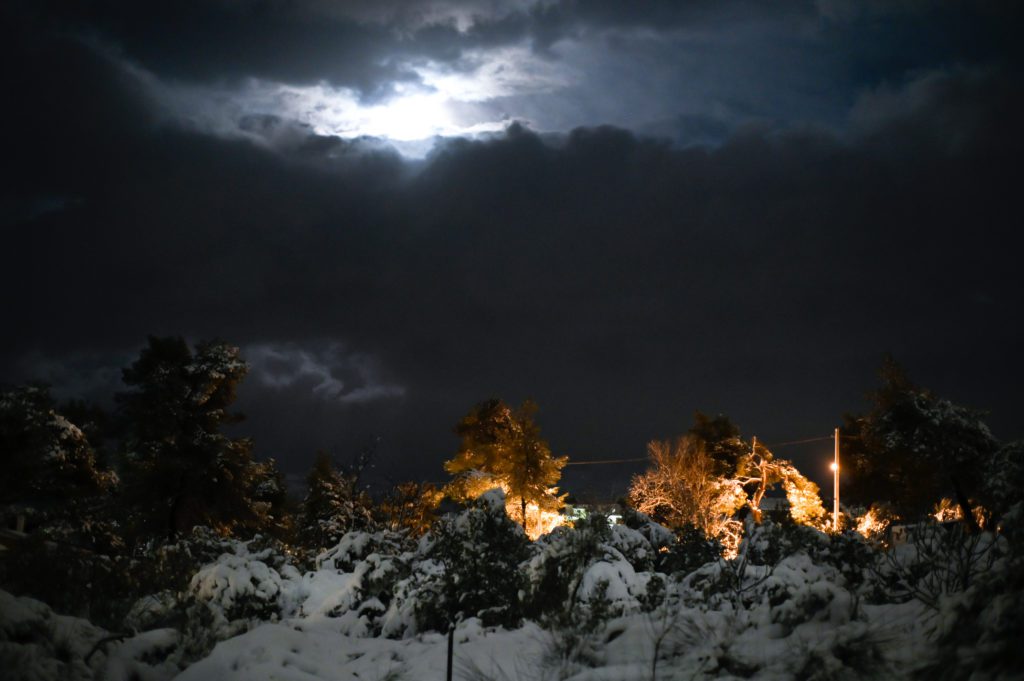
{"points": [[501, 447], [687, 485], [805, 506], [409, 506], [683, 488]]}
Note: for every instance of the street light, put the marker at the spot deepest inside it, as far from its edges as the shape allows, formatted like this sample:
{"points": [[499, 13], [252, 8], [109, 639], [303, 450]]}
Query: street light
{"points": [[835, 487]]}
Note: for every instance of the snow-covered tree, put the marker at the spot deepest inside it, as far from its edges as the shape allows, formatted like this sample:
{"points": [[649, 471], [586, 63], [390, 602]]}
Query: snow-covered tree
{"points": [[409, 506], [182, 470], [51, 475], [478, 552], [686, 486], [332, 506], [805, 506], [683, 488], [269, 493], [1003, 482], [913, 447]]}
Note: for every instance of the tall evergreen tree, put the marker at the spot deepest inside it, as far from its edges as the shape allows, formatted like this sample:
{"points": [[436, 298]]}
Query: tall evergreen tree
{"points": [[913, 447], [334, 504], [51, 475], [501, 447], [320, 525], [182, 470], [722, 441]]}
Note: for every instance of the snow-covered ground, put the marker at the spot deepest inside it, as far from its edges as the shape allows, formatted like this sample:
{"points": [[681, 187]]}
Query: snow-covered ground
{"points": [[796, 605]]}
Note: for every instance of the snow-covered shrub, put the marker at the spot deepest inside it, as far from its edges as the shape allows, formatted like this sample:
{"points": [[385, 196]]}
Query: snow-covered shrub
{"points": [[168, 566], [576, 635], [562, 556], [770, 542], [657, 535], [354, 547], [357, 581], [38, 645], [239, 590], [634, 547], [476, 556], [154, 611], [981, 629], [798, 591], [691, 549], [937, 560]]}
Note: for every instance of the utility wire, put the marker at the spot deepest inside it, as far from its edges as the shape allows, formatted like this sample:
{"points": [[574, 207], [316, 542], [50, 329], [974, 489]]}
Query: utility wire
{"points": [[770, 446], [591, 463], [800, 442]]}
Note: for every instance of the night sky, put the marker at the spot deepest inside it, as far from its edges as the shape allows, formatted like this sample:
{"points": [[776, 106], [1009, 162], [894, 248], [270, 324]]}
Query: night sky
{"points": [[624, 211]]}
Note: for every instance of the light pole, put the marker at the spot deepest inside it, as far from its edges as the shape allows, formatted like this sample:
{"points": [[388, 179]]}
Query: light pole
{"points": [[835, 486]]}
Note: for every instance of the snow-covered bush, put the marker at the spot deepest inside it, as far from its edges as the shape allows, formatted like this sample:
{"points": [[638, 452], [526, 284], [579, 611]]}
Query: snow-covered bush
{"points": [[691, 549], [38, 645], [243, 586], [633, 546], [981, 629], [556, 568], [355, 547], [937, 560], [357, 581], [473, 571]]}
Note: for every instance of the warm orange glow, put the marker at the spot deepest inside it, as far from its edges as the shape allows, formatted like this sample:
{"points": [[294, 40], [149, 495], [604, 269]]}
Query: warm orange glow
{"points": [[871, 524], [538, 521], [834, 466]]}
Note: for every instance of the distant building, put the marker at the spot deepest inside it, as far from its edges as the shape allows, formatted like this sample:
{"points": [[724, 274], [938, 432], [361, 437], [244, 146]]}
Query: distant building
{"points": [[775, 500], [583, 511]]}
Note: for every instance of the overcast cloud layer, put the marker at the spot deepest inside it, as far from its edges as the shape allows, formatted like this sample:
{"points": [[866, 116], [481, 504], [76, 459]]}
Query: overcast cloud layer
{"points": [[633, 213]]}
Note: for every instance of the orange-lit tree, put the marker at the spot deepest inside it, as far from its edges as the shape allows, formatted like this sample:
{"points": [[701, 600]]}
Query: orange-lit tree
{"points": [[689, 485], [502, 447], [683, 488]]}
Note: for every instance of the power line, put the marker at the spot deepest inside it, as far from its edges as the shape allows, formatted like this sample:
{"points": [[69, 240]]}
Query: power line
{"points": [[591, 463], [771, 446], [800, 442]]}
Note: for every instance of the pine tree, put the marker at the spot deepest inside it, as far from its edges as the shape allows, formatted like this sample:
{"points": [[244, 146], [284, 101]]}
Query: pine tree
{"points": [[269, 494], [51, 475], [334, 504], [479, 550], [503, 448], [409, 506], [722, 441], [914, 446], [320, 525], [182, 470]]}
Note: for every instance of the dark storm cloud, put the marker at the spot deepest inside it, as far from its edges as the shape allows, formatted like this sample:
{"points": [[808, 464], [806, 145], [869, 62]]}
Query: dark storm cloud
{"points": [[620, 281], [659, 58]]}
